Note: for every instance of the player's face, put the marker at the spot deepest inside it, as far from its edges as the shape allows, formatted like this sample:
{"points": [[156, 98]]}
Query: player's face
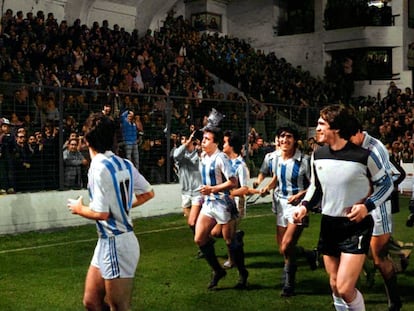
{"points": [[324, 132], [286, 141], [208, 144], [226, 145]]}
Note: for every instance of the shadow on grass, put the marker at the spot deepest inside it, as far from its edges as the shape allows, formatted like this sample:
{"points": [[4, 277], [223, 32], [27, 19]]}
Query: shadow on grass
{"points": [[303, 288]]}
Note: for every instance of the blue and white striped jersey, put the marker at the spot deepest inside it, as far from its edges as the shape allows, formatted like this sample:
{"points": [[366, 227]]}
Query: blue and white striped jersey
{"points": [[293, 175], [215, 170], [241, 171], [267, 168], [378, 148], [112, 184]]}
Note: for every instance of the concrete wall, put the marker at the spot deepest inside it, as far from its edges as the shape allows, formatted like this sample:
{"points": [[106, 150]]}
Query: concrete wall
{"points": [[47, 210]]}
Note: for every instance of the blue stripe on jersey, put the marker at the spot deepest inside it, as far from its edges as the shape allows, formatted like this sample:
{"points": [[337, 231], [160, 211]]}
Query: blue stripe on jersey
{"points": [[271, 166], [295, 177], [377, 161], [123, 209], [283, 179], [292, 176], [384, 218], [111, 222], [235, 165], [101, 229], [374, 144], [212, 173], [383, 181]]}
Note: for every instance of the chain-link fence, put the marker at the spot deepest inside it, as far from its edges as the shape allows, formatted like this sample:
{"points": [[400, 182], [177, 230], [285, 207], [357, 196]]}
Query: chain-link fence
{"points": [[53, 118]]}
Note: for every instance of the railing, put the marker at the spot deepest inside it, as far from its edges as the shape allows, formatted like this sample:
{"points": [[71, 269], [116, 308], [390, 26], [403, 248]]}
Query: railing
{"points": [[338, 15], [60, 111]]}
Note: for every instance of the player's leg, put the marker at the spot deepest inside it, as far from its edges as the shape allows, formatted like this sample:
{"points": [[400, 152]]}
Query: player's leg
{"points": [[379, 249], [186, 213], [94, 295], [289, 250], [228, 233], [193, 215], [350, 267], [379, 246], [191, 211], [119, 293], [202, 238], [118, 266], [217, 231], [331, 264], [236, 252]]}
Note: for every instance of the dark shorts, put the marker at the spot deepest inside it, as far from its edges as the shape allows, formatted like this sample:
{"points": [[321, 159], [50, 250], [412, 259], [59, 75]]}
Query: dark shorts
{"points": [[340, 235]]}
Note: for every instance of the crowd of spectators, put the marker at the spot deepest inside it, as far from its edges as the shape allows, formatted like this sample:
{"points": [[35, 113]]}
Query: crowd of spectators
{"points": [[391, 119], [47, 65]]}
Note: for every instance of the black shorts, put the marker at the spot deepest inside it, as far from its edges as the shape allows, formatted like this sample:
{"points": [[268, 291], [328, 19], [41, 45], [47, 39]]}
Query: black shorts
{"points": [[340, 235]]}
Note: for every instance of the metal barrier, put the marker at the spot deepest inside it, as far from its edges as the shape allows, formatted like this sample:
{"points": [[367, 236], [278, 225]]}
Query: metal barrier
{"points": [[54, 112]]}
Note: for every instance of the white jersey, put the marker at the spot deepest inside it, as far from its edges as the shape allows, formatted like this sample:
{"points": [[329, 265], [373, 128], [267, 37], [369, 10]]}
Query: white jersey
{"points": [[346, 177], [112, 184]]}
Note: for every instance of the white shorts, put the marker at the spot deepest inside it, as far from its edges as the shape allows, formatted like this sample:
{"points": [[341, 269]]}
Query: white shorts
{"points": [[188, 200], [117, 256], [382, 219], [284, 212], [217, 209]]}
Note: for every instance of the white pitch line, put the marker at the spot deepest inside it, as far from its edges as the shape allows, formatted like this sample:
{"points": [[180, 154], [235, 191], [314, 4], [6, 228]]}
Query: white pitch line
{"points": [[94, 239]]}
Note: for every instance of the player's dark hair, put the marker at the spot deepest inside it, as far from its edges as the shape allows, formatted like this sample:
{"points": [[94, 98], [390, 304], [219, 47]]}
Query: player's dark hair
{"points": [[341, 118], [288, 129], [100, 132], [234, 140]]}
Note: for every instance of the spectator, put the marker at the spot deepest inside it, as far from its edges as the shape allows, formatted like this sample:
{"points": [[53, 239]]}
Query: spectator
{"points": [[50, 163], [51, 111], [22, 164], [73, 161], [7, 146], [130, 136], [34, 155], [158, 162]]}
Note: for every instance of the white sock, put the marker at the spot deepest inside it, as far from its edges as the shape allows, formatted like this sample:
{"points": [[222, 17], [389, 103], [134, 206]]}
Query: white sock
{"points": [[339, 303], [357, 304]]}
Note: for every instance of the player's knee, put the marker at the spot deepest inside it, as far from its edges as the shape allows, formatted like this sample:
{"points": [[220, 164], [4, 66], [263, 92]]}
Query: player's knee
{"points": [[91, 304], [200, 241], [345, 290], [216, 232], [285, 249], [191, 222]]}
